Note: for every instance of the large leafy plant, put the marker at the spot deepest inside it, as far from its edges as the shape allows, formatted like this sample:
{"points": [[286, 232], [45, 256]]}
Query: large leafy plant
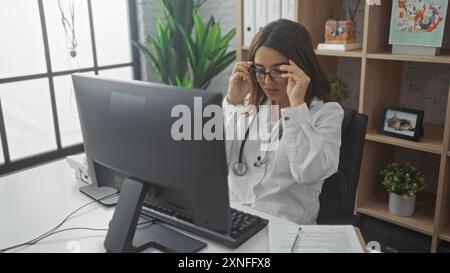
{"points": [[207, 51], [179, 59], [403, 179]]}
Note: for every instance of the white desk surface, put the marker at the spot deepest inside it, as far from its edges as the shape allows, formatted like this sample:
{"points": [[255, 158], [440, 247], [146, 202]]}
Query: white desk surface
{"points": [[34, 201]]}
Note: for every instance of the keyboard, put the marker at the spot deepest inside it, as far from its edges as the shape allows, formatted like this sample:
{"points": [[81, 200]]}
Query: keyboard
{"points": [[243, 225]]}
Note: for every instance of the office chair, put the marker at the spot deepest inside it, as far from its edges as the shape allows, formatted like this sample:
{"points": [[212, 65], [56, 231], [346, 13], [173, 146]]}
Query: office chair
{"points": [[337, 199]]}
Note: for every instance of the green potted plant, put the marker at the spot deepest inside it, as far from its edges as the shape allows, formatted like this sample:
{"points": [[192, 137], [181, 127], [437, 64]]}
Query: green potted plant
{"points": [[339, 91], [207, 50], [182, 57], [403, 181]]}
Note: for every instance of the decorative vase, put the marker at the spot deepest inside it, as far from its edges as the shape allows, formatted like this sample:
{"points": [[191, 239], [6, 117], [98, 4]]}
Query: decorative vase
{"points": [[401, 205]]}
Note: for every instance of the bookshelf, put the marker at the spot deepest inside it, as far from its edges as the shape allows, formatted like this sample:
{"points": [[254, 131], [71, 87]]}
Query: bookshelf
{"points": [[380, 83], [350, 54], [443, 58]]}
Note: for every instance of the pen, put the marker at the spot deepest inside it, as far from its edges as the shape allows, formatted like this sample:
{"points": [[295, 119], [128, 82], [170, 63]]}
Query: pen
{"points": [[295, 240]]}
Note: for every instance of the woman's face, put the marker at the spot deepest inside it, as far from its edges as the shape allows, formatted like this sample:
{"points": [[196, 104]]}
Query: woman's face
{"points": [[268, 60]]}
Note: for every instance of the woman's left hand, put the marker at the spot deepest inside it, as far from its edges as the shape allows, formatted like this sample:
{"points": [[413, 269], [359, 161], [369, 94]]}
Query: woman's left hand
{"points": [[298, 83]]}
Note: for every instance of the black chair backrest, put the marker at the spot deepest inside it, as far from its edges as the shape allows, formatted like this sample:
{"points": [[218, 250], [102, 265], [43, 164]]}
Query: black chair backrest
{"points": [[339, 190]]}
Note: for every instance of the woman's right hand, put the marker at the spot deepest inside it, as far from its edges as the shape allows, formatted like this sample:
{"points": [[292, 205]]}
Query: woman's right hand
{"points": [[240, 83]]}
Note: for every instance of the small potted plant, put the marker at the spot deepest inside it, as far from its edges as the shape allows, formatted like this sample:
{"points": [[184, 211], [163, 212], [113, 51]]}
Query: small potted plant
{"points": [[339, 91], [403, 181]]}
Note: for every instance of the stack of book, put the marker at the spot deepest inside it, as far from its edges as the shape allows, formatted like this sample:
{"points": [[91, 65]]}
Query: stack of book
{"points": [[258, 13]]}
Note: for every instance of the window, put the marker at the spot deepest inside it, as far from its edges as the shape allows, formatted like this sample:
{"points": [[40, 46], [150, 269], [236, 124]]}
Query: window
{"points": [[59, 41], [28, 118], [69, 126], [38, 114], [22, 52], [124, 73], [2, 159], [112, 31]]}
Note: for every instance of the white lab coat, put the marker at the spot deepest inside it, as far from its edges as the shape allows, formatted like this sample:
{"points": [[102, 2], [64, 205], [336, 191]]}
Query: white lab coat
{"points": [[288, 185]]}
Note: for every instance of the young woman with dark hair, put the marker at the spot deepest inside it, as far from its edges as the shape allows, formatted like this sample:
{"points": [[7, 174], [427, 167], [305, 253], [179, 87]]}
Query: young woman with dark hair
{"points": [[282, 71]]}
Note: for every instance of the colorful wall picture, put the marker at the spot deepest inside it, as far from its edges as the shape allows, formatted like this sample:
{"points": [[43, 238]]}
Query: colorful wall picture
{"points": [[418, 22]]}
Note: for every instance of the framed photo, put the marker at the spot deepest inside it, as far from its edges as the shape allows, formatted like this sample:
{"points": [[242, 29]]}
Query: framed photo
{"points": [[401, 122]]}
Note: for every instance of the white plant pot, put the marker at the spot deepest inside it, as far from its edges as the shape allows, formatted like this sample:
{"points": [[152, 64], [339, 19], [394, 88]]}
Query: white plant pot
{"points": [[400, 205]]}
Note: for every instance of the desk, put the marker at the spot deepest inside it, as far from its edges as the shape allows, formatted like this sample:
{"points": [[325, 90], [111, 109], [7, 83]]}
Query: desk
{"points": [[35, 200]]}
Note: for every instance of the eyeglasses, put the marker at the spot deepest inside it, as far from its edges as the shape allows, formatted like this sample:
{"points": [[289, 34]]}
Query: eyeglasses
{"points": [[259, 75]]}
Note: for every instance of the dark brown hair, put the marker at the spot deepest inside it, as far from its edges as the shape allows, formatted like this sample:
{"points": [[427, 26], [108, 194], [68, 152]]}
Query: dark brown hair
{"points": [[293, 41]]}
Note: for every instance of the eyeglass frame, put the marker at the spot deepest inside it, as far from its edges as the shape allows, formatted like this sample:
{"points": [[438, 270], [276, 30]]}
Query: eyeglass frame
{"points": [[253, 70]]}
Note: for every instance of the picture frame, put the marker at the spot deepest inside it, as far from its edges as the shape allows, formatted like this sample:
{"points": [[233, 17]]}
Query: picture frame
{"points": [[401, 122]]}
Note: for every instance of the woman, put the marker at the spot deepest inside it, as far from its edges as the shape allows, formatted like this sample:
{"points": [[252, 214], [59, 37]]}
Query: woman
{"points": [[283, 71]]}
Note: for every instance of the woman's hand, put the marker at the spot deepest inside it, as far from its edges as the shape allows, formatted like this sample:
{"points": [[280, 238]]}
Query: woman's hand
{"points": [[240, 83], [297, 84]]}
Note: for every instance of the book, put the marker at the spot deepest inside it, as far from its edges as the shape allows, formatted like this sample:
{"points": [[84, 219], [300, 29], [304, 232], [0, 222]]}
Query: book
{"points": [[288, 9], [415, 50], [274, 10], [418, 23], [249, 22], [339, 47], [261, 14]]}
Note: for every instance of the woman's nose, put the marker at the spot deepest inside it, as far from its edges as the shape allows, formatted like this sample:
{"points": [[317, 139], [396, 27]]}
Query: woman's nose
{"points": [[267, 79]]}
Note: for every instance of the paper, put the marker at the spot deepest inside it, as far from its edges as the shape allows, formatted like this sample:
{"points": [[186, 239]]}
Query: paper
{"points": [[313, 239], [281, 237], [326, 239]]}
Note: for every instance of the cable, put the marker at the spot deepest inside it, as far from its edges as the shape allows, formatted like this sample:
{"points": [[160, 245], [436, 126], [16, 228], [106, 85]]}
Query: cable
{"points": [[60, 224], [53, 230], [42, 237], [78, 209]]}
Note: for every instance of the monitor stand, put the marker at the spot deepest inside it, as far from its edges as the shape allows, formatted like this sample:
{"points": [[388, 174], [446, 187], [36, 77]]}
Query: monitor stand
{"points": [[98, 193], [123, 236]]}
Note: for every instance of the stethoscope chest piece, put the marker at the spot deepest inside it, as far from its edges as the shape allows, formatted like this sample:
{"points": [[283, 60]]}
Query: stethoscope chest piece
{"points": [[240, 168]]}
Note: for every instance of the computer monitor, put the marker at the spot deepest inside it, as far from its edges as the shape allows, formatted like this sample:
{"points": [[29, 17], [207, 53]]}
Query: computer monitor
{"points": [[127, 131]]}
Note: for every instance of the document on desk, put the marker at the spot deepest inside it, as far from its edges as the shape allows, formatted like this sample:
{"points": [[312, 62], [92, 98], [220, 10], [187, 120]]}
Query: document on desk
{"points": [[281, 237], [313, 239]]}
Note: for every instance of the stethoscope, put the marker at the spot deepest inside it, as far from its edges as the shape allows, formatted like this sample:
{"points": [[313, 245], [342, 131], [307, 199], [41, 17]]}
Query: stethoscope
{"points": [[240, 168]]}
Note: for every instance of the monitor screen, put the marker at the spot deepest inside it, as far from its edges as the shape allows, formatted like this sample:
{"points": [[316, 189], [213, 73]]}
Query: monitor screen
{"points": [[130, 130]]}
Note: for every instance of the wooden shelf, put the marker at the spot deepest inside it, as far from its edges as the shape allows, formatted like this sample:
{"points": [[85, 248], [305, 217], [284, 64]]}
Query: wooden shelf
{"points": [[445, 233], [380, 82], [421, 221], [443, 58], [357, 53], [431, 142]]}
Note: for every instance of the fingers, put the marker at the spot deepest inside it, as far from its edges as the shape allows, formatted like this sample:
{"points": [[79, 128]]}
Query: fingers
{"points": [[241, 75], [240, 71], [242, 66], [243, 71], [294, 72], [291, 77], [292, 68], [296, 77]]}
